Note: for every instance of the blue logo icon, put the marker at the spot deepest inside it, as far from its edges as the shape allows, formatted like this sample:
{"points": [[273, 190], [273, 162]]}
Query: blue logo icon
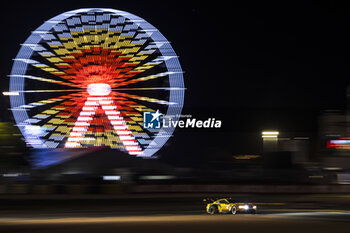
{"points": [[152, 120]]}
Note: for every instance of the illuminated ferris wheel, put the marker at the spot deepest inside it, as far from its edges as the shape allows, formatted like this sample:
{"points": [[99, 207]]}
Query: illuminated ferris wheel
{"points": [[86, 77]]}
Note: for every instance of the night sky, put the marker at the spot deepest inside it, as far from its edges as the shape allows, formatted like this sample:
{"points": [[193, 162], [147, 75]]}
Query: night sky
{"points": [[254, 66]]}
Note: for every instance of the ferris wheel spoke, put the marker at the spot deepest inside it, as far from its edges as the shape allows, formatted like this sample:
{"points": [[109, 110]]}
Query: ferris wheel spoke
{"points": [[142, 79], [147, 99], [43, 79], [145, 66], [44, 91], [29, 106], [149, 89]]}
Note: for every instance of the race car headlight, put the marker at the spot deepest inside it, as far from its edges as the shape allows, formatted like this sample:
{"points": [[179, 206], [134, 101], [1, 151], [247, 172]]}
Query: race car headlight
{"points": [[254, 207], [243, 207]]}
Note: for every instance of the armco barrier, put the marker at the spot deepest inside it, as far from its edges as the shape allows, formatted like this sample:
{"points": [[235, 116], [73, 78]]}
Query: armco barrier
{"points": [[3, 189], [18, 189], [75, 189], [112, 189], [42, 189]]}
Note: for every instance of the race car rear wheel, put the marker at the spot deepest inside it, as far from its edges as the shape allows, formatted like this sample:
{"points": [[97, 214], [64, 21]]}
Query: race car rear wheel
{"points": [[213, 210], [234, 210]]}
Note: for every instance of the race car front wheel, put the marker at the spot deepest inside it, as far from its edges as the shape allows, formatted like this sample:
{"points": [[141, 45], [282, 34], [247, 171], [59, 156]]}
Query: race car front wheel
{"points": [[213, 210], [234, 210]]}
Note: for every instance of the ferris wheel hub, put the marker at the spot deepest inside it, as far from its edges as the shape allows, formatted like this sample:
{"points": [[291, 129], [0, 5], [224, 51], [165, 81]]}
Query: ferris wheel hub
{"points": [[99, 89]]}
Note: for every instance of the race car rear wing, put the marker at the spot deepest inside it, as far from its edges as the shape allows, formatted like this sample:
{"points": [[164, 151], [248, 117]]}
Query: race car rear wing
{"points": [[209, 200]]}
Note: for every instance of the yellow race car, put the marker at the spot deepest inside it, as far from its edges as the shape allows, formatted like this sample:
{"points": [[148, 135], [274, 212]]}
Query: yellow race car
{"points": [[227, 205]]}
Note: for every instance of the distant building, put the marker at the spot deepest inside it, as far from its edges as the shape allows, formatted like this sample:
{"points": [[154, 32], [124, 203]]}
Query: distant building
{"points": [[334, 140]]}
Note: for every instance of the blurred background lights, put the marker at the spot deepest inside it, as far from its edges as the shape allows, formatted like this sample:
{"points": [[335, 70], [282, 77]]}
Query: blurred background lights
{"points": [[270, 134]]}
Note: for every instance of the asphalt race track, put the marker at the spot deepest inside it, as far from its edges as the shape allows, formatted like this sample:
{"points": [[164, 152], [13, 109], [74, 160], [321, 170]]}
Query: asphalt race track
{"points": [[284, 222], [167, 214]]}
